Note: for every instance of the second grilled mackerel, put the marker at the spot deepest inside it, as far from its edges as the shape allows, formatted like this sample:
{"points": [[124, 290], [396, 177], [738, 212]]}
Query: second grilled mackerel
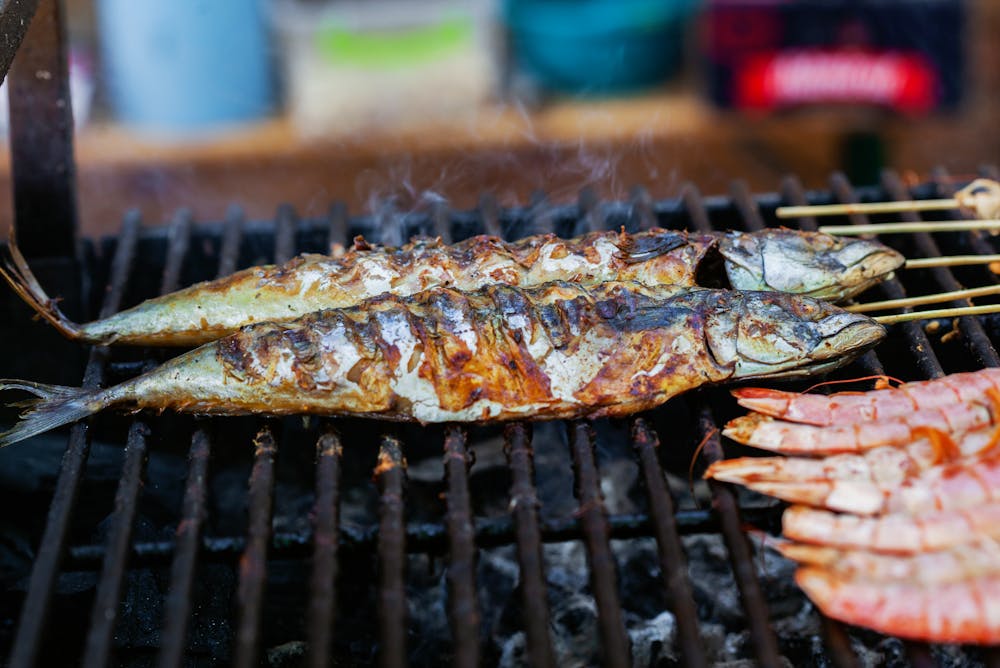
{"points": [[501, 353], [782, 260]]}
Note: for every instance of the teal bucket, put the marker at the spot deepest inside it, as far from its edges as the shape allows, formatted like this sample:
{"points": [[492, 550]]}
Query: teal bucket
{"points": [[598, 46]]}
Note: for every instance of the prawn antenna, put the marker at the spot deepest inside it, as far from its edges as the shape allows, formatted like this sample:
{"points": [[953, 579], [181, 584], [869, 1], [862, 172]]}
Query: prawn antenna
{"points": [[882, 381]]}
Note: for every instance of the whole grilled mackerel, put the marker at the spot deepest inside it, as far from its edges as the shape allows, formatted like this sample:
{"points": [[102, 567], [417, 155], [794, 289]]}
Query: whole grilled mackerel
{"points": [[811, 264], [555, 351]]}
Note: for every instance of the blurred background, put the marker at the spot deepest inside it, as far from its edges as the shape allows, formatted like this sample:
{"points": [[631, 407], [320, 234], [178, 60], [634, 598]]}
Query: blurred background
{"points": [[202, 103]]}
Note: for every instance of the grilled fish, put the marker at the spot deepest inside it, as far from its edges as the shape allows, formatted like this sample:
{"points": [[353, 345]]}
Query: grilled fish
{"points": [[782, 260], [501, 353]]}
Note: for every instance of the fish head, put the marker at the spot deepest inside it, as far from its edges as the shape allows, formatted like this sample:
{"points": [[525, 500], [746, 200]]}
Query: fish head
{"points": [[775, 335], [806, 263]]}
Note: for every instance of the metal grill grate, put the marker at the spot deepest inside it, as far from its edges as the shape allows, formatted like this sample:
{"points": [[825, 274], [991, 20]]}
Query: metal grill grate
{"points": [[182, 252]]}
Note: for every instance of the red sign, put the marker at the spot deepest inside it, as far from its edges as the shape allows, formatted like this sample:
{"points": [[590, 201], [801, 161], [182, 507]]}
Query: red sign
{"points": [[902, 81]]}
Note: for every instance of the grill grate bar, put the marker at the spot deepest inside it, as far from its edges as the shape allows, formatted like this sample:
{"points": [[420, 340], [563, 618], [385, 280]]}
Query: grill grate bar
{"points": [[642, 209], [594, 522], [673, 563], [463, 606], [541, 215], [724, 503], [284, 234], [694, 205], [441, 220], [972, 331], [324, 575], [919, 344], [489, 213], [338, 226], [35, 610], [388, 224], [232, 237], [178, 602], [253, 562], [838, 643], [740, 555], [747, 205], [590, 218], [524, 507], [390, 473], [920, 655], [106, 600], [178, 240], [424, 536]]}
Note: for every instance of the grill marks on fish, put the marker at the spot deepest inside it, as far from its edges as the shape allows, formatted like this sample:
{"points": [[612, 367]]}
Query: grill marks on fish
{"points": [[474, 355]]}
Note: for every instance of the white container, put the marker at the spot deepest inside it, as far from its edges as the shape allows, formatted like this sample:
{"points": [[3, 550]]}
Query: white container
{"points": [[353, 65]]}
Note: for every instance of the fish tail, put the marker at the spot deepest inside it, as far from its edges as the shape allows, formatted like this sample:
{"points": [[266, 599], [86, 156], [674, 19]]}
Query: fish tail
{"points": [[54, 407], [18, 275]]}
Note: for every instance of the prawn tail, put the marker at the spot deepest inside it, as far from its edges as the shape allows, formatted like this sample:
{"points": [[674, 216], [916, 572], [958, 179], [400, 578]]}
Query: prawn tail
{"points": [[20, 278], [53, 407]]}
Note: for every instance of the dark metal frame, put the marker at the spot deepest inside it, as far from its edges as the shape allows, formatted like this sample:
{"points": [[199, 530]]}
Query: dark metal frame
{"points": [[41, 127]]}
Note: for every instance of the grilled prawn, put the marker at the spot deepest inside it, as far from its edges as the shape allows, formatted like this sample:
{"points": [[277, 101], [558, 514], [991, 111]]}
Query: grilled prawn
{"points": [[963, 611], [848, 407], [940, 425], [877, 471], [936, 596], [961, 483], [501, 353], [974, 558], [896, 533], [810, 264]]}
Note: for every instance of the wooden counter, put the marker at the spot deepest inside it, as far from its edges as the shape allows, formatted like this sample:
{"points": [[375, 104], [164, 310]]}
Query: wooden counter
{"points": [[658, 141]]}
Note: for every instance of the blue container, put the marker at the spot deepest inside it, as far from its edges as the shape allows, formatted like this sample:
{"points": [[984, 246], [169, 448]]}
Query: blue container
{"points": [[185, 66], [598, 46]]}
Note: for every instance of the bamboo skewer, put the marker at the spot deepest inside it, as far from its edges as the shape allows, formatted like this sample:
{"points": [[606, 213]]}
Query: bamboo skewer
{"points": [[950, 261], [982, 197], [937, 313], [874, 207], [925, 299], [912, 228]]}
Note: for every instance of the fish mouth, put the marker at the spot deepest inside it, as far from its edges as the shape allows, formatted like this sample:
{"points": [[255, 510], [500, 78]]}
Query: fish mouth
{"points": [[846, 334]]}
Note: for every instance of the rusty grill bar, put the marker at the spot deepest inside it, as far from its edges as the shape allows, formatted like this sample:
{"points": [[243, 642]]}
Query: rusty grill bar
{"points": [[460, 532]]}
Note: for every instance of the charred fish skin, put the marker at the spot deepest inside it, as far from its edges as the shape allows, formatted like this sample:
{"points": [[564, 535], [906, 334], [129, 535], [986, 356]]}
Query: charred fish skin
{"points": [[783, 260], [502, 353]]}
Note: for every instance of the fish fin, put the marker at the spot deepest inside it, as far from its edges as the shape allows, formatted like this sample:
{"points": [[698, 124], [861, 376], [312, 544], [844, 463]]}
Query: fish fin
{"points": [[18, 275], [55, 406], [634, 249]]}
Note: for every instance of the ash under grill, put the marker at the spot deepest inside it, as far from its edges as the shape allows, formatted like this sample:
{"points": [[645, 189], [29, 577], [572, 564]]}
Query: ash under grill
{"points": [[182, 541]]}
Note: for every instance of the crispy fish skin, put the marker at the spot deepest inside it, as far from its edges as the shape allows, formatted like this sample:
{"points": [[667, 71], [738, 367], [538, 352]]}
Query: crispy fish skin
{"points": [[784, 260], [501, 353]]}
